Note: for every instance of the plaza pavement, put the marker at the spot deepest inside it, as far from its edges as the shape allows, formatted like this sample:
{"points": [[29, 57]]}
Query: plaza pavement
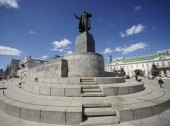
{"points": [[162, 119]]}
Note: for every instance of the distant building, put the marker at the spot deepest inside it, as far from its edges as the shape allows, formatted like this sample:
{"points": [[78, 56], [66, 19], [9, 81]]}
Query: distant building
{"points": [[1, 74], [13, 68], [144, 63], [27, 63]]}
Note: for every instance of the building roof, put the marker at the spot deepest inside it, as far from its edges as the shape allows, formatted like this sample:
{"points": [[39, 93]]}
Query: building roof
{"points": [[147, 57], [15, 61], [142, 58], [53, 57]]}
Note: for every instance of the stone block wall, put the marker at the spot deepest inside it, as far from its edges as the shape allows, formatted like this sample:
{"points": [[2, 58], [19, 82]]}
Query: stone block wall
{"points": [[86, 64], [52, 69]]}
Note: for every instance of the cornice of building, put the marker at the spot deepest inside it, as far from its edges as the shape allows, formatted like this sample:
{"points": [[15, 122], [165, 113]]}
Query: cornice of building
{"points": [[142, 59]]}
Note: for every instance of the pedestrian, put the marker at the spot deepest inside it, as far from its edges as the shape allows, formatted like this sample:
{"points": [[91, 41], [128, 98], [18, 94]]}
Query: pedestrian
{"points": [[160, 81], [136, 77]]}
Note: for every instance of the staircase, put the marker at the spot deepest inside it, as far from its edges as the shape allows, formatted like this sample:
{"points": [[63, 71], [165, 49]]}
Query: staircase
{"points": [[90, 88], [99, 114]]}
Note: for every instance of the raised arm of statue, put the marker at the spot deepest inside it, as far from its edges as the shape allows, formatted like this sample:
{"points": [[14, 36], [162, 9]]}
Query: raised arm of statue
{"points": [[76, 16], [84, 21]]}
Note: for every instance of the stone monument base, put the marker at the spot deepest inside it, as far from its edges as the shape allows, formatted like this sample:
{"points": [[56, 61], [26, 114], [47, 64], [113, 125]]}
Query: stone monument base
{"points": [[85, 43], [85, 65]]}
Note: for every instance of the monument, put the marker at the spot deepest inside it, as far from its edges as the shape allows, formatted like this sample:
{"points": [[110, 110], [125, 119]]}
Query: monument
{"points": [[85, 41], [85, 62], [74, 89], [84, 21]]}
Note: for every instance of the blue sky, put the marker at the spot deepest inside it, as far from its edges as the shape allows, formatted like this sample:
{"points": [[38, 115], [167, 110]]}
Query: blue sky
{"points": [[121, 28]]}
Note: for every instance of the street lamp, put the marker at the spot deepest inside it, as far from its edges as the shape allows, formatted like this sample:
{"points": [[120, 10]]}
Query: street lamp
{"points": [[163, 65], [3, 88]]}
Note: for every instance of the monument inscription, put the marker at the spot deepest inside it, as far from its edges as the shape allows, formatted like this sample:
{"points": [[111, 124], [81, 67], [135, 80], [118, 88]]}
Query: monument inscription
{"points": [[48, 68]]}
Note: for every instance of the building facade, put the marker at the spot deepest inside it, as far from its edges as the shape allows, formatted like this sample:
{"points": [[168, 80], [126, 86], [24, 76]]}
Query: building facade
{"points": [[14, 66], [1, 74], [144, 63], [28, 62]]}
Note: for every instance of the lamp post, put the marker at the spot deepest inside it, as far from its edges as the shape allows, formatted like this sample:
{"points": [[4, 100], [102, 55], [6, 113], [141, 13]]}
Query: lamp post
{"points": [[3, 88], [148, 67], [163, 67]]}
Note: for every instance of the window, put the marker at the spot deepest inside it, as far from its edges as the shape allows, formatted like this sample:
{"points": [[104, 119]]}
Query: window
{"points": [[163, 64], [143, 73], [168, 63], [147, 65], [157, 64]]}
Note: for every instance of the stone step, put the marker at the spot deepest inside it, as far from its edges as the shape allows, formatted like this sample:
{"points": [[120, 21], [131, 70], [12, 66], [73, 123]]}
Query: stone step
{"points": [[92, 90], [97, 121], [105, 111], [87, 80], [93, 94], [103, 105], [88, 83], [89, 86]]}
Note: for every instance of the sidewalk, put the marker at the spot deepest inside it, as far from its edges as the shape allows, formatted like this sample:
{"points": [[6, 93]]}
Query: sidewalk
{"points": [[162, 119], [157, 120]]}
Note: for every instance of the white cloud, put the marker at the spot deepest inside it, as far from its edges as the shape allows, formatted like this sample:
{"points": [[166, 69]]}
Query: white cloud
{"points": [[69, 52], [32, 32], [122, 34], [62, 45], [119, 49], [107, 50], [44, 57], [9, 51], [135, 29], [131, 48], [9, 3], [137, 8]]}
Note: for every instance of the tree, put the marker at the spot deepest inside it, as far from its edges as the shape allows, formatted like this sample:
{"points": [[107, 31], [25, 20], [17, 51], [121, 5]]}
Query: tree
{"points": [[138, 72], [154, 71], [122, 72]]}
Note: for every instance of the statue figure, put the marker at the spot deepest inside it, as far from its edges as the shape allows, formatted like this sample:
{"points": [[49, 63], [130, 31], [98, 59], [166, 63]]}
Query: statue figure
{"points": [[84, 23]]}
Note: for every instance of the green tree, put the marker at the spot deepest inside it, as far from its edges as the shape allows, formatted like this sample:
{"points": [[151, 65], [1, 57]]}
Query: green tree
{"points": [[154, 71], [138, 72], [122, 72]]}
